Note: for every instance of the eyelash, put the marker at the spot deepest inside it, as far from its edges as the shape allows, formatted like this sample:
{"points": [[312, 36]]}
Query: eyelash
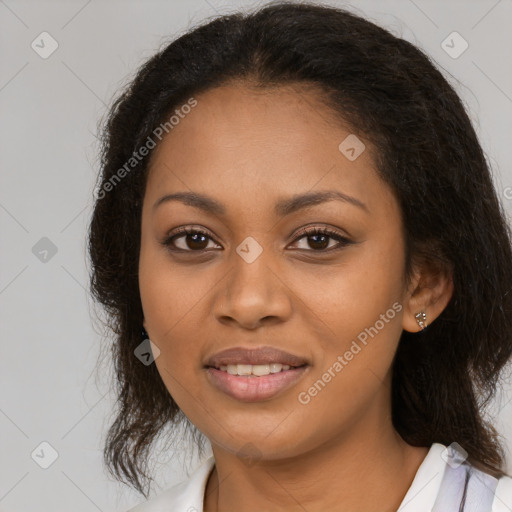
{"points": [[303, 233]]}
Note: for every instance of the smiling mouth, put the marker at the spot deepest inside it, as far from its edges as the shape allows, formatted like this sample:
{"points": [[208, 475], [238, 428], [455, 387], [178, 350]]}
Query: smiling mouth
{"points": [[255, 370], [255, 383]]}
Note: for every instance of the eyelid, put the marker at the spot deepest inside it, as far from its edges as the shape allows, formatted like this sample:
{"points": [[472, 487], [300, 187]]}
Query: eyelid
{"points": [[342, 240], [315, 228], [185, 230], [310, 230]]}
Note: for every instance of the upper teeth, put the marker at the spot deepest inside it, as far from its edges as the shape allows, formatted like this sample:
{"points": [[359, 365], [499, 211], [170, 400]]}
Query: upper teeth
{"points": [[254, 369]]}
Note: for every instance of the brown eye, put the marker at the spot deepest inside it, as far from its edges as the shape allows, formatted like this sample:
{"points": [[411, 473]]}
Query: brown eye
{"points": [[188, 240], [318, 239]]}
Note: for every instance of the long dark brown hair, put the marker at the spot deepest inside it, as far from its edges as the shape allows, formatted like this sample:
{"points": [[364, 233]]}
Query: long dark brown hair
{"points": [[427, 152]]}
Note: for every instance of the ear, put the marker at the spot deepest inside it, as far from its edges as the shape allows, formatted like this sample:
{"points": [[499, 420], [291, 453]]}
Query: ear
{"points": [[430, 290]]}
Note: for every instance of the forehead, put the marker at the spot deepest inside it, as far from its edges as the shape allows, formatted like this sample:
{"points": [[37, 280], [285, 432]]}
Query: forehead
{"points": [[258, 144], [235, 116]]}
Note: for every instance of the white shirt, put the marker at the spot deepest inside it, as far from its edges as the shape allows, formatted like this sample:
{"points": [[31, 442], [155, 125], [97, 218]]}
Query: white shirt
{"points": [[421, 496]]}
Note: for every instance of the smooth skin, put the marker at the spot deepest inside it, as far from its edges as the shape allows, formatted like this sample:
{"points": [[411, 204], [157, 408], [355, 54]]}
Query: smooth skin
{"points": [[248, 149]]}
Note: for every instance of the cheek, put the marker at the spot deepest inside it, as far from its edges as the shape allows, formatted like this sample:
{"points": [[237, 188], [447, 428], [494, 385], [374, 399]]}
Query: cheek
{"points": [[169, 292], [170, 302], [359, 308], [165, 307], [350, 296]]}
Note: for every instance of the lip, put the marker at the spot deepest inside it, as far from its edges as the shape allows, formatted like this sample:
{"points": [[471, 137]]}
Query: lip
{"points": [[252, 388], [262, 355]]}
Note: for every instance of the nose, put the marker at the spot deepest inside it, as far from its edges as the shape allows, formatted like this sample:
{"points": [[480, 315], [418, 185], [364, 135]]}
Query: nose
{"points": [[253, 295]]}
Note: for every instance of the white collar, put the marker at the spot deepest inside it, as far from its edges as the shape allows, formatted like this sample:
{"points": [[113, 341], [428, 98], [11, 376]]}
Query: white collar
{"points": [[188, 496], [423, 491]]}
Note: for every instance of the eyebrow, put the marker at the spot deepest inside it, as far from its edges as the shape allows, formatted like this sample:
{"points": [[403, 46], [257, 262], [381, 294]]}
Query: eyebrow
{"points": [[282, 208]]}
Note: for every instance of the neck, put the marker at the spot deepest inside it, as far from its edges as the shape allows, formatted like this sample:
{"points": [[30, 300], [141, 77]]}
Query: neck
{"points": [[370, 469]]}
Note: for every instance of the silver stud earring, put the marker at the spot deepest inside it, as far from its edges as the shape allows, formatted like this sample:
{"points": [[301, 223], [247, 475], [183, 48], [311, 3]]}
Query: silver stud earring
{"points": [[421, 318]]}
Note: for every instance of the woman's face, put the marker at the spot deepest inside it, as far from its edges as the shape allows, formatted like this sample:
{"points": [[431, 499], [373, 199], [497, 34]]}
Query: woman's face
{"points": [[257, 168]]}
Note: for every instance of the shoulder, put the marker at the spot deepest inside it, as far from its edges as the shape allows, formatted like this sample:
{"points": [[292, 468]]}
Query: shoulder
{"points": [[186, 496], [163, 501], [503, 495], [497, 485]]}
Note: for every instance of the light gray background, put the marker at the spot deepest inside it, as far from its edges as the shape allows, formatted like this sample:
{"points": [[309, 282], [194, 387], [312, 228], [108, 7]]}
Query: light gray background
{"points": [[50, 109]]}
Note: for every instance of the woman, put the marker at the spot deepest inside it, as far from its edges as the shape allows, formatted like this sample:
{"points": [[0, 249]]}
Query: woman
{"points": [[296, 211]]}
